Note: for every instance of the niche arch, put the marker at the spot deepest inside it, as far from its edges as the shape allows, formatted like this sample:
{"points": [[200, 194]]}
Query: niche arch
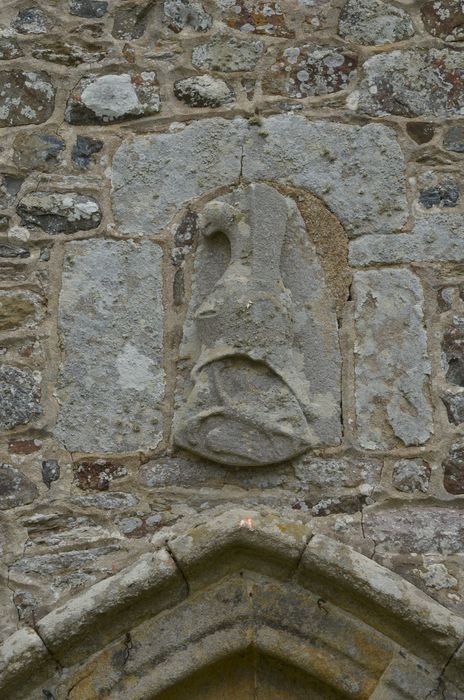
{"points": [[269, 282]]}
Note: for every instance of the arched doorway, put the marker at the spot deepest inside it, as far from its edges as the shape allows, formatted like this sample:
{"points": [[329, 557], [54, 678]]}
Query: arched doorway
{"points": [[244, 605]]}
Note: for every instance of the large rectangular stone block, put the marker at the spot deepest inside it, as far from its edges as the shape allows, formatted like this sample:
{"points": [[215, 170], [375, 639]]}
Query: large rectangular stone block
{"points": [[437, 237], [391, 363], [111, 383], [359, 172]]}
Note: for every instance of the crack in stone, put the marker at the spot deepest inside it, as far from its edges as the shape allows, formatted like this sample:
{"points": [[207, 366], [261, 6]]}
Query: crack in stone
{"points": [[49, 651], [302, 553], [178, 566], [441, 680]]}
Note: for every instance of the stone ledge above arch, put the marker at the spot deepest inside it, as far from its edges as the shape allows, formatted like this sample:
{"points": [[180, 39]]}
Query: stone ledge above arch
{"points": [[262, 543]]}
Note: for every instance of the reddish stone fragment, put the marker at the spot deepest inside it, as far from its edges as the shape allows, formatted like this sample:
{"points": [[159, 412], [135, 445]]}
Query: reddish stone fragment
{"points": [[258, 16], [444, 18], [97, 475]]}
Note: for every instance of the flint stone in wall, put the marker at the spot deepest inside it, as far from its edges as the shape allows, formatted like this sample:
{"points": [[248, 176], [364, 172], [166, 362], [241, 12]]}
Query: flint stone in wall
{"points": [[56, 212], [113, 98], [26, 97], [130, 21], [61, 564], [108, 501], [453, 475], [392, 367], [9, 188], [9, 49], [445, 194], [453, 140], [66, 54], [452, 351], [83, 150], [420, 132], [412, 83], [153, 176], [13, 251], [50, 471], [32, 21], [436, 238], [374, 22], [170, 471], [88, 8], [454, 407], [186, 13], [111, 384], [20, 395], [15, 488]]}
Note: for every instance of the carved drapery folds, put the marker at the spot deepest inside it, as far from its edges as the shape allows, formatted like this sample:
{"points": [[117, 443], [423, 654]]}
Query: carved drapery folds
{"points": [[255, 337]]}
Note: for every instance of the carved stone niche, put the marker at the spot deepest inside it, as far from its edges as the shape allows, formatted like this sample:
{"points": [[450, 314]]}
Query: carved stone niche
{"points": [[261, 337]]}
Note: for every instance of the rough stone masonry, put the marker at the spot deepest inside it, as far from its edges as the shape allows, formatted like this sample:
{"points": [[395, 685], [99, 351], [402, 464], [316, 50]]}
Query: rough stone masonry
{"points": [[231, 275]]}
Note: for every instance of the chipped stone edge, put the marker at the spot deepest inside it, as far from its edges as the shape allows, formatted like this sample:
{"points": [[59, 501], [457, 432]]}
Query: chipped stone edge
{"points": [[382, 598], [235, 540], [24, 662], [239, 538], [111, 607]]}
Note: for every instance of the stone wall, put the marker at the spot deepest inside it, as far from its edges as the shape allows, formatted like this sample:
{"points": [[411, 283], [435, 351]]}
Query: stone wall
{"points": [[123, 123]]}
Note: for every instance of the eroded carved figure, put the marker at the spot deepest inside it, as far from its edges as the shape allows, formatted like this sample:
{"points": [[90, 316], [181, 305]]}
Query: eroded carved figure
{"points": [[250, 337]]}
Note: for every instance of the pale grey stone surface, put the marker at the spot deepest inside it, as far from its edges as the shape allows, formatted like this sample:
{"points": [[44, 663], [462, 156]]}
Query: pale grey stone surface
{"points": [[357, 171], [111, 384], [108, 501], [423, 530], [203, 91], [374, 22], [410, 475], [225, 53], [392, 366], [99, 99], [153, 176], [311, 70], [435, 238], [333, 473]]}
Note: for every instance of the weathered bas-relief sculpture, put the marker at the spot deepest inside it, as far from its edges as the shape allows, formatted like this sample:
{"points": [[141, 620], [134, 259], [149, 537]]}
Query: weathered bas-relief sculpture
{"points": [[255, 336]]}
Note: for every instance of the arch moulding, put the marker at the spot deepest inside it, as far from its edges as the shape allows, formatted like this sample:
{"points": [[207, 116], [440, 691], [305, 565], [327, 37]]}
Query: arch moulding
{"points": [[244, 588]]}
